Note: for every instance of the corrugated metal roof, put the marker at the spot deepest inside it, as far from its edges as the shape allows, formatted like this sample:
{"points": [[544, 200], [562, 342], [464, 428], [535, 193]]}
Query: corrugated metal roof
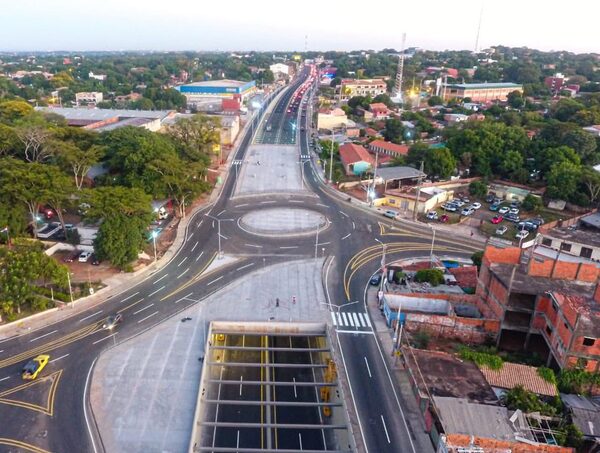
{"points": [[512, 375]]}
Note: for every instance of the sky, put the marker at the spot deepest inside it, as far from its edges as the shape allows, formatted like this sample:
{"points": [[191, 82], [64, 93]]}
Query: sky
{"points": [[265, 25]]}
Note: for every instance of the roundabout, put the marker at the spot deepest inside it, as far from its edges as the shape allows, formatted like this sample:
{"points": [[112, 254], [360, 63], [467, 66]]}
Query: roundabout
{"points": [[283, 222]]}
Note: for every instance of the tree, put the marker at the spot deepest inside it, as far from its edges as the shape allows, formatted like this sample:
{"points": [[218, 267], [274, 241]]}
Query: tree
{"points": [[416, 153], [582, 142], [58, 192], [8, 140], [565, 109], [477, 258], [526, 401], [34, 138], [196, 136], [119, 239], [77, 160], [532, 203], [111, 201], [11, 111], [515, 99], [433, 276], [394, 130], [591, 182], [439, 162], [435, 100], [563, 179], [510, 163], [478, 189], [385, 99], [61, 79]]}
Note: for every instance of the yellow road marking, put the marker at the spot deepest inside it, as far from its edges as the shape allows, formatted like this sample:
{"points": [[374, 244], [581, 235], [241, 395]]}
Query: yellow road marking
{"points": [[193, 280], [54, 344], [23, 445], [130, 305], [49, 409]]}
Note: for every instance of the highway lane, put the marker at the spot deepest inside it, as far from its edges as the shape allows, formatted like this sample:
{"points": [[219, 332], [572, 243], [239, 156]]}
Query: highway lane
{"points": [[78, 340]]}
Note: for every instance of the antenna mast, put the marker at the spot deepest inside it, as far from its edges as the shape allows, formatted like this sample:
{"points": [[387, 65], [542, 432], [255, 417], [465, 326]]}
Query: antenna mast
{"points": [[397, 92], [478, 28]]}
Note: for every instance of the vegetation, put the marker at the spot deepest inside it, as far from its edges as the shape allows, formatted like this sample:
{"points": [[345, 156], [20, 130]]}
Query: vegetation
{"points": [[477, 257], [482, 357], [519, 398], [478, 189], [434, 277]]}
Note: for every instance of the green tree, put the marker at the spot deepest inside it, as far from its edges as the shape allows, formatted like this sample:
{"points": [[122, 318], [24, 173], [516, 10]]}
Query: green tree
{"points": [[119, 239], [565, 109], [394, 130], [11, 111], [61, 79], [477, 258], [58, 192], [77, 160], [590, 179], [510, 163], [435, 100], [416, 153], [439, 162], [433, 276], [562, 180], [478, 189], [196, 136], [583, 143], [531, 203], [8, 140], [111, 201], [519, 398], [515, 99]]}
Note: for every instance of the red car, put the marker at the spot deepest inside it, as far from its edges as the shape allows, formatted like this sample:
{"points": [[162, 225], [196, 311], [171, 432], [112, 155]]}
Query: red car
{"points": [[444, 218], [497, 219]]}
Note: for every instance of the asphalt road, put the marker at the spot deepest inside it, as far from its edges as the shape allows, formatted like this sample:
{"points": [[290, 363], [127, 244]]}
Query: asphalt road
{"points": [[50, 414]]}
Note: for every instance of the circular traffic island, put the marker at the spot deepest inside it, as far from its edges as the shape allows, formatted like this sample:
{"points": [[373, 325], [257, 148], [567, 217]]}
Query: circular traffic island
{"points": [[283, 222]]}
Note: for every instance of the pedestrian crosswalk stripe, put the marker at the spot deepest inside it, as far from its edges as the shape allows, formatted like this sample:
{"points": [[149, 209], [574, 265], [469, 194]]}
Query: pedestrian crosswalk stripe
{"points": [[356, 323], [350, 320], [345, 319], [333, 319], [339, 318], [368, 321], [356, 320]]}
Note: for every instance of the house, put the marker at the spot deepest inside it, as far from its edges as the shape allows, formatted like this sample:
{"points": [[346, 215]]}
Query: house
{"points": [[92, 97], [480, 92], [511, 375], [388, 148], [578, 237], [361, 87], [585, 414], [329, 119], [453, 118], [594, 130], [370, 132], [379, 110], [356, 159], [555, 83]]}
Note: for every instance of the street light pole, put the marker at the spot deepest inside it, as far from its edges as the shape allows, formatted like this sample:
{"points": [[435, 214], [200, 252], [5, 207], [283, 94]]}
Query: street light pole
{"points": [[317, 240], [331, 155], [154, 243], [432, 243], [219, 231], [70, 288], [383, 276]]}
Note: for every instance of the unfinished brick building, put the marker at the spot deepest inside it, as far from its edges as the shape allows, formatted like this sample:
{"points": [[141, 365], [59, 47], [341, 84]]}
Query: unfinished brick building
{"points": [[550, 306]]}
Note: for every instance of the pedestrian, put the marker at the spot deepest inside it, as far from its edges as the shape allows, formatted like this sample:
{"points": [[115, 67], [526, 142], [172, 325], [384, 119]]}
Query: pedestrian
{"points": [[471, 233]]}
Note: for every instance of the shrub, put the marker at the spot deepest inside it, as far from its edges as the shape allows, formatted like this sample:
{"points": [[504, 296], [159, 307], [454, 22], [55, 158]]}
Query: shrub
{"points": [[478, 189], [476, 258], [532, 203], [489, 358], [420, 339], [433, 276], [519, 398], [547, 374]]}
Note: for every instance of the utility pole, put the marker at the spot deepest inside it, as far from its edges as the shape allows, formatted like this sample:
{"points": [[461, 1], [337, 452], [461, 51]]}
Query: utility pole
{"points": [[331, 155], [317, 241], [415, 210], [371, 196]]}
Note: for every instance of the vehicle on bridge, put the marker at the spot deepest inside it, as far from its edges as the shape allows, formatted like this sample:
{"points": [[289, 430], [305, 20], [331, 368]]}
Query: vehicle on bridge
{"points": [[34, 367]]}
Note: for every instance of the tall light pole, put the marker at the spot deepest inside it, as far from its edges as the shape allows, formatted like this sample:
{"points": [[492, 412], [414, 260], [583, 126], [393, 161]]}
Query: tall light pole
{"points": [[317, 240], [220, 255], [70, 288], [432, 243], [331, 155], [154, 234], [383, 272]]}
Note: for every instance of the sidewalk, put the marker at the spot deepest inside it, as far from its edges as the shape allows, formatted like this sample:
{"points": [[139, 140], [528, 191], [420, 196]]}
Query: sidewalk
{"points": [[412, 414]]}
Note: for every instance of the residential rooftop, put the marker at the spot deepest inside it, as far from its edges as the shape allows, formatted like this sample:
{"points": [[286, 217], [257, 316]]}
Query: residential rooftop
{"points": [[585, 236], [218, 83], [95, 114], [485, 85], [512, 375]]}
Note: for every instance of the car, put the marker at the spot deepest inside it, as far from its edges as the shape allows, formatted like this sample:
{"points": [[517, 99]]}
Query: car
{"points": [[33, 368], [444, 218], [514, 211], [449, 207], [72, 256], [489, 198], [515, 204], [84, 256], [375, 279], [94, 260], [494, 207], [459, 203], [527, 225], [501, 230], [112, 321], [390, 214], [467, 211], [522, 234], [503, 210], [539, 221], [476, 205], [512, 218], [432, 215], [497, 219], [465, 200]]}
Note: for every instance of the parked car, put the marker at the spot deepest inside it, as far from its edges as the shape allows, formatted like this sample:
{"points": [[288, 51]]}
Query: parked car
{"points": [[514, 211], [432, 215], [375, 279], [503, 210], [494, 207], [497, 219], [515, 204], [459, 203], [522, 234], [538, 221], [465, 199], [527, 225], [467, 211], [112, 321], [476, 205], [501, 230], [72, 256], [94, 260], [449, 207], [390, 214], [512, 218], [489, 198], [444, 218], [84, 256]]}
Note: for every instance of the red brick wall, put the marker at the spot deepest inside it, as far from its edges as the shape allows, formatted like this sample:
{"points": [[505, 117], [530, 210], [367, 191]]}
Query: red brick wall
{"points": [[510, 255], [463, 329]]}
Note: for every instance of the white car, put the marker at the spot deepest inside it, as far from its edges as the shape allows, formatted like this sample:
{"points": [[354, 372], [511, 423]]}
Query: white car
{"points": [[467, 211], [501, 230], [503, 210], [84, 256], [476, 205], [432, 215], [514, 211], [522, 234]]}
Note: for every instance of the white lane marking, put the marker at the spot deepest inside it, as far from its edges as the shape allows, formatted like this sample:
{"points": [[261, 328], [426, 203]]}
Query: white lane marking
{"points": [[368, 368], [268, 202], [386, 431], [85, 415], [361, 319], [289, 247], [295, 392], [183, 273], [2, 351], [221, 212], [244, 267], [357, 332], [58, 358], [190, 236], [347, 236], [152, 294], [199, 224], [195, 245], [333, 319], [184, 297], [344, 214], [254, 245], [339, 317], [155, 282], [356, 323], [4, 378], [142, 309], [200, 256], [182, 261], [367, 320], [215, 280], [129, 297], [300, 439], [88, 317], [353, 226], [224, 237], [149, 316], [42, 336], [105, 338], [241, 384], [296, 201], [241, 205], [237, 445], [345, 319], [322, 205]]}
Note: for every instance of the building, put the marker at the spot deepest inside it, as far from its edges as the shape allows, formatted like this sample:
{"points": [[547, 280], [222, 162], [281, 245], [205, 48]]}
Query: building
{"points": [[355, 159], [585, 414], [388, 148], [379, 111], [101, 77], [230, 128], [361, 87], [330, 119], [555, 83], [107, 119], [453, 118], [283, 71], [511, 375], [197, 92], [91, 97], [581, 239], [546, 304], [594, 130], [480, 92]]}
